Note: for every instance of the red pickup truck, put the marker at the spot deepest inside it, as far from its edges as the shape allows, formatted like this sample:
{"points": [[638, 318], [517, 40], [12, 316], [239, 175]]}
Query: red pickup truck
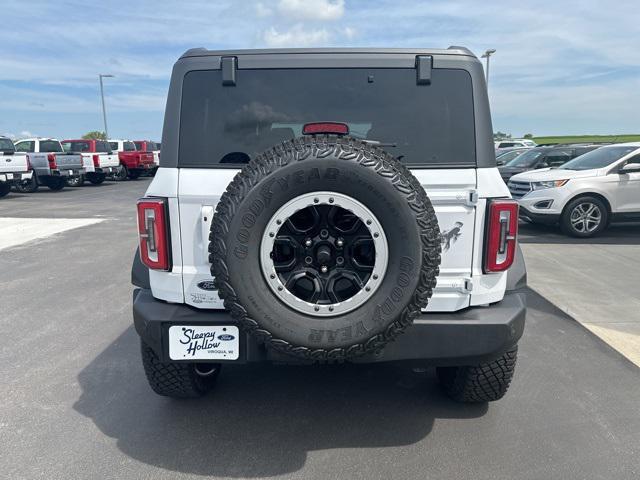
{"points": [[98, 160], [133, 162]]}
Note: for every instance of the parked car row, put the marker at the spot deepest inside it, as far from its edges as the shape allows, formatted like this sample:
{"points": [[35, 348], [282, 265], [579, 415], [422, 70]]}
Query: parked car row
{"points": [[33, 162], [583, 188]]}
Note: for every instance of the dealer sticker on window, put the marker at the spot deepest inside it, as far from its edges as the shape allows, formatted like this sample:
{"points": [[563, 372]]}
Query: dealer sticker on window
{"points": [[217, 342]]}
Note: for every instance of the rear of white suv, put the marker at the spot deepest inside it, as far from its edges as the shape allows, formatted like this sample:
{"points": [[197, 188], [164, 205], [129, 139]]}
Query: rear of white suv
{"points": [[312, 205], [585, 194]]}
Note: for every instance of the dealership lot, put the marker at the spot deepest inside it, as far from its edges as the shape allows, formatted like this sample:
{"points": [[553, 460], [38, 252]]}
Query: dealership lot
{"points": [[76, 403]]}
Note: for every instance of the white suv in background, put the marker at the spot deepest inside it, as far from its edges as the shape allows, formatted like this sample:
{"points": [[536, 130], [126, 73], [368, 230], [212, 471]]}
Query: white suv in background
{"points": [[585, 194], [510, 143]]}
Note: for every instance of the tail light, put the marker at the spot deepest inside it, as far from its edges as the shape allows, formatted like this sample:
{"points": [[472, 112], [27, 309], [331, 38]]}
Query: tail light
{"points": [[153, 229], [51, 158], [501, 232], [96, 161], [29, 166]]}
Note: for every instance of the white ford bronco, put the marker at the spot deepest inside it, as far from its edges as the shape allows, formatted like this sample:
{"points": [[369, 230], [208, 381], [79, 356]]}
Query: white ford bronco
{"points": [[327, 206]]}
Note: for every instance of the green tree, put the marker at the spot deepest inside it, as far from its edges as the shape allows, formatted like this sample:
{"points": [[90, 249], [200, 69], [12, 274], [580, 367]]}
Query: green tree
{"points": [[528, 135], [94, 135]]}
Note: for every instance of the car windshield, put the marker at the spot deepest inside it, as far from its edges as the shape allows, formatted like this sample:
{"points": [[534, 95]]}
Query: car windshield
{"points": [[420, 125], [527, 159], [508, 156], [599, 158], [52, 146], [6, 145]]}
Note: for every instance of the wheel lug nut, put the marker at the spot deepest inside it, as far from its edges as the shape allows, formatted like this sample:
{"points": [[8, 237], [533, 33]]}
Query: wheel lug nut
{"points": [[324, 269], [339, 242], [308, 260], [308, 242]]}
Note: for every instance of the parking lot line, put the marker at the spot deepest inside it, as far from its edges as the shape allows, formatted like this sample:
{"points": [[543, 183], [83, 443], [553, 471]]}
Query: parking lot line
{"points": [[17, 231]]}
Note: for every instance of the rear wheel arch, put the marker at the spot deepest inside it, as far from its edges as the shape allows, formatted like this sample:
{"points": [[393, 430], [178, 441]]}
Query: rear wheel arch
{"points": [[599, 196]]}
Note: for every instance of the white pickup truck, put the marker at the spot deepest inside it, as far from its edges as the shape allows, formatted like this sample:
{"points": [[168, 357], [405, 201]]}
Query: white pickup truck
{"points": [[14, 167], [98, 160], [51, 164]]}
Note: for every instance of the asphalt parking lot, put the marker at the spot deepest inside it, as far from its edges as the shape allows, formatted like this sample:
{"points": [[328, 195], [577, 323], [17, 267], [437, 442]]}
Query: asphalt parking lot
{"points": [[75, 402]]}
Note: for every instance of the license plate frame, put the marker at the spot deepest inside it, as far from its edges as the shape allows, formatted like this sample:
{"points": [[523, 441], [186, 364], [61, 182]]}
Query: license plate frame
{"points": [[203, 342]]}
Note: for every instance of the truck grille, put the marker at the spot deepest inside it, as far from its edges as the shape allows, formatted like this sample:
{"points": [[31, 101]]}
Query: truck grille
{"points": [[519, 189]]}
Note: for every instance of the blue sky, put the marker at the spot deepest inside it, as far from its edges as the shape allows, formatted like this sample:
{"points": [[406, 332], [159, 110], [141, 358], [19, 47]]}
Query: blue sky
{"points": [[561, 67]]}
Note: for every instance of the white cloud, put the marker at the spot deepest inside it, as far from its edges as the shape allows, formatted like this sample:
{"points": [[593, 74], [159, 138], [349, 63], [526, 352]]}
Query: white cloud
{"points": [[297, 36], [262, 10], [312, 9]]}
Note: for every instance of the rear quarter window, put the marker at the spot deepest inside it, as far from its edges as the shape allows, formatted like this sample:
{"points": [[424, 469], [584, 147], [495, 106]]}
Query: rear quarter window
{"points": [[421, 125]]}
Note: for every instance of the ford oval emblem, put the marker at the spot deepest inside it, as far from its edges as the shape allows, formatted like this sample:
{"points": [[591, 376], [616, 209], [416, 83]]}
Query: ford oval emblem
{"points": [[225, 337], [207, 285]]}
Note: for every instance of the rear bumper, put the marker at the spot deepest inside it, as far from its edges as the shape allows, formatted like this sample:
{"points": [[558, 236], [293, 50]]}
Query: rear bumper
{"points": [[467, 337], [15, 176]]}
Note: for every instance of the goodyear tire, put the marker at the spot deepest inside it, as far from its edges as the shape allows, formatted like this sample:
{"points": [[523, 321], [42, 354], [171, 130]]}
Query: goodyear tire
{"points": [[325, 248]]}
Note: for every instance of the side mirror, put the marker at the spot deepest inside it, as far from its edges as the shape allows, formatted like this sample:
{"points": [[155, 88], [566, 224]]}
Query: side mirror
{"points": [[630, 168]]}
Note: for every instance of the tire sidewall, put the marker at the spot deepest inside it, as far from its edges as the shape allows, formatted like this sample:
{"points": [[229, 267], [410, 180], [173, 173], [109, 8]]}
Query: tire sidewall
{"points": [[377, 193], [567, 227]]}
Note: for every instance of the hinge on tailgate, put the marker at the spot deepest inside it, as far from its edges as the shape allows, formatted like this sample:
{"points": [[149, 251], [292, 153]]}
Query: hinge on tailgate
{"points": [[472, 198]]}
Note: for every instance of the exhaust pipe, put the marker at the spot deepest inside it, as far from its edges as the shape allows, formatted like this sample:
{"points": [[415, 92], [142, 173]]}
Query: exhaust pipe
{"points": [[205, 369]]}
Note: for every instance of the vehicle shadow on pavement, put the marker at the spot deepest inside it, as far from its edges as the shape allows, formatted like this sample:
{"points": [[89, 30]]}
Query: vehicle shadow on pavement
{"points": [[615, 234], [261, 420]]}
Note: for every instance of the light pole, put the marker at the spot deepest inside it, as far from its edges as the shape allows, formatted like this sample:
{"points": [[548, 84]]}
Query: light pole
{"points": [[487, 55], [104, 111]]}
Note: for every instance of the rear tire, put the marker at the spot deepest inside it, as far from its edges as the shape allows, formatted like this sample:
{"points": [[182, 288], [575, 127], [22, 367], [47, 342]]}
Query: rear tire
{"points": [[56, 183], [5, 188], [134, 174], [28, 186], [176, 380], [76, 181], [96, 178], [122, 174], [486, 382]]}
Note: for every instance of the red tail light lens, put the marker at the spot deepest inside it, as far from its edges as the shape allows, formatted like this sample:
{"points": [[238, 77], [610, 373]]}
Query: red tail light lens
{"points": [[153, 229], [29, 167], [502, 230], [96, 160], [51, 158], [335, 128]]}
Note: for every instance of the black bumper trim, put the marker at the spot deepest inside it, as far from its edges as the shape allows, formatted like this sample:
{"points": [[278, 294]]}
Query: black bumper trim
{"points": [[545, 219], [467, 337]]}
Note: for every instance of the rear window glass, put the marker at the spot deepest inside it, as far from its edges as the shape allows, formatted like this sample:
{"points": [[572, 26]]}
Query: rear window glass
{"points": [[129, 146], [75, 146], [102, 146], [139, 145], [421, 125], [6, 145], [50, 146]]}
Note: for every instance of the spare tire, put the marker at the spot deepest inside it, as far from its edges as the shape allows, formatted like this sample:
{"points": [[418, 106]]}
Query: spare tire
{"points": [[325, 248]]}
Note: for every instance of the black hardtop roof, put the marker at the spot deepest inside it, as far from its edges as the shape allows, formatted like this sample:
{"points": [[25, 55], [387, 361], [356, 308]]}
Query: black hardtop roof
{"points": [[452, 50]]}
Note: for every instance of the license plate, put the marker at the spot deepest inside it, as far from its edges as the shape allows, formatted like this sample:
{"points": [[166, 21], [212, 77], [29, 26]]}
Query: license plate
{"points": [[70, 172], [9, 176], [218, 342]]}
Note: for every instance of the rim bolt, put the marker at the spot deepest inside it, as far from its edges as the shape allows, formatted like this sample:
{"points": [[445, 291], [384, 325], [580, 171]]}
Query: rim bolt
{"points": [[316, 308], [308, 260], [339, 260], [376, 235], [368, 289], [271, 234], [331, 309], [272, 276], [279, 222], [375, 277], [368, 222], [324, 233], [331, 200], [308, 242], [339, 242], [280, 288], [324, 269], [316, 200]]}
